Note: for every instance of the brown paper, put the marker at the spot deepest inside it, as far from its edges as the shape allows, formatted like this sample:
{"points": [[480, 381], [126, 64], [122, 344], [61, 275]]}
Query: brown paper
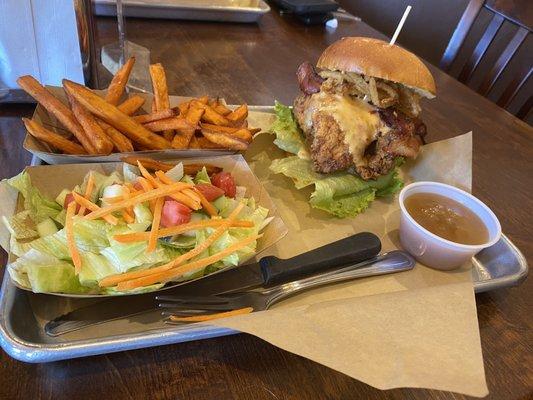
{"points": [[412, 329], [44, 152], [51, 179]]}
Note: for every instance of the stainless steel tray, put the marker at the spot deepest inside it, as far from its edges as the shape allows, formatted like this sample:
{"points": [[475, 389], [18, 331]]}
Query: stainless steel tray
{"points": [[23, 316], [202, 10]]}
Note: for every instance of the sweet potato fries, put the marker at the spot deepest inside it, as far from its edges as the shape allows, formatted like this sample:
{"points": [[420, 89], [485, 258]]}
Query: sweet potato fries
{"points": [[115, 123]]}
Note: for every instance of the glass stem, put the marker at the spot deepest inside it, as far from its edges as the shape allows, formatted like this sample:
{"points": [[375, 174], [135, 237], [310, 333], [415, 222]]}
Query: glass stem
{"points": [[121, 33]]}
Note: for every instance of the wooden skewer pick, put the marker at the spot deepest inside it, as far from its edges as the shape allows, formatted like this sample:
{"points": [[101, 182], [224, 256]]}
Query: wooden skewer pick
{"points": [[400, 25]]}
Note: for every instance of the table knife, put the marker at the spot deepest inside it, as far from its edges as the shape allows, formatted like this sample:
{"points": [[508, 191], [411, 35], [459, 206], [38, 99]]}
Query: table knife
{"points": [[267, 272]]}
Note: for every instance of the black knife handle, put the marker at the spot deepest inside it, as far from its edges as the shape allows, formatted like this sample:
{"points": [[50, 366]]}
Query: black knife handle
{"points": [[350, 250]]}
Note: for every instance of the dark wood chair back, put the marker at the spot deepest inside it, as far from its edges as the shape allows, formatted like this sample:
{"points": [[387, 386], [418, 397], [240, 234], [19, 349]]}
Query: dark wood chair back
{"points": [[517, 12]]}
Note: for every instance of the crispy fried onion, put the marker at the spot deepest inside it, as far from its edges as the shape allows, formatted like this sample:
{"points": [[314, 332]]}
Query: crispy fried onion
{"points": [[388, 95], [348, 84], [409, 102], [379, 92], [374, 95]]}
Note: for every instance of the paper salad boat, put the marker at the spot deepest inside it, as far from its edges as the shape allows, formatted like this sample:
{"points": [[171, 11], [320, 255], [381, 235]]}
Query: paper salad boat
{"points": [[52, 179]]}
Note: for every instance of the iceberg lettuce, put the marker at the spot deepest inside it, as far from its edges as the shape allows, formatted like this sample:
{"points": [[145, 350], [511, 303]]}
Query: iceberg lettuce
{"points": [[202, 177], [21, 226], [38, 206], [288, 136], [45, 273], [100, 183]]}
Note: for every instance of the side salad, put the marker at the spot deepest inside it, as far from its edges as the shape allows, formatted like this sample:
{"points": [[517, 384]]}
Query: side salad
{"points": [[342, 194], [132, 231]]}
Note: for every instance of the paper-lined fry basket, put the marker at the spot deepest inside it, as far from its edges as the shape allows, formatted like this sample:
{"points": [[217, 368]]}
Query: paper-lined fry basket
{"points": [[45, 153]]}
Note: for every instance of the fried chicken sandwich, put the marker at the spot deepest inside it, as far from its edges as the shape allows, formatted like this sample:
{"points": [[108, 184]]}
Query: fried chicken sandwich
{"points": [[356, 118]]}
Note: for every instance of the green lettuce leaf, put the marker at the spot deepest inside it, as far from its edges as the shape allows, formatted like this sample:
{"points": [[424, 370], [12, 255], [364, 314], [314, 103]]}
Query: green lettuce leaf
{"points": [[289, 137], [54, 245], [61, 217], [93, 268], [45, 273], [202, 177], [21, 226], [299, 170], [90, 236], [187, 179], [100, 183], [125, 256], [143, 215], [38, 206], [344, 206]]}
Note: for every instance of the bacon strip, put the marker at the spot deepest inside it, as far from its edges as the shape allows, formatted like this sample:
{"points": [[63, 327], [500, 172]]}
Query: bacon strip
{"points": [[308, 79]]}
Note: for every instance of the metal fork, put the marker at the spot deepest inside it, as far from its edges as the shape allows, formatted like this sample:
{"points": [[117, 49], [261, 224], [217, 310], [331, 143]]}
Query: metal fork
{"points": [[264, 298]]}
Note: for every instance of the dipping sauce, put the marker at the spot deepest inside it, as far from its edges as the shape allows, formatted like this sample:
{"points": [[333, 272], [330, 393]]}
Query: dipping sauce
{"points": [[447, 218]]}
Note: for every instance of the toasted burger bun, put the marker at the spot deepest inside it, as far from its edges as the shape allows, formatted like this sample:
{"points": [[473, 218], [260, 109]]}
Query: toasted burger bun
{"points": [[373, 57]]}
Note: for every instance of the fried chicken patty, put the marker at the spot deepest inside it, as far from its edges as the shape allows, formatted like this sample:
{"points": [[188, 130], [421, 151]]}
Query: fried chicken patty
{"points": [[325, 139], [359, 136]]}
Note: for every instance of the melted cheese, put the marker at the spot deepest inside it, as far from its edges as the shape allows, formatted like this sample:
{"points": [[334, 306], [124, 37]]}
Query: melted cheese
{"points": [[358, 120]]}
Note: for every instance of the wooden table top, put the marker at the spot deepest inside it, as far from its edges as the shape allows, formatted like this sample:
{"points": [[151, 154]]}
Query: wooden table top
{"points": [[256, 64]]}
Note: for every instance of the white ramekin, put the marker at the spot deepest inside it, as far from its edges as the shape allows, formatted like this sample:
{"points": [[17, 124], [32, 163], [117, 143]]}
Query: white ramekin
{"points": [[432, 250]]}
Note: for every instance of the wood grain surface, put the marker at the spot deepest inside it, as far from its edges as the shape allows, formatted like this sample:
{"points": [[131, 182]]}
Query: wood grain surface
{"points": [[256, 64]]}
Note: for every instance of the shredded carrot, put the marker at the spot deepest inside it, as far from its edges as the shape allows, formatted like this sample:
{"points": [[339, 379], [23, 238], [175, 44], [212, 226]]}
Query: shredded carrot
{"points": [[163, 178], [192, 194], [82, 201], [146, 196], [127, 213], [210, 317], [176, 230], [147, 175], [147, 186], [129, 210], [208, 207], [181, 198], [128, 218], [174, 273], [112, 200], [71, 243], [116, 199], [152, 241], [88, 193], [114, 279], [194, 204]]}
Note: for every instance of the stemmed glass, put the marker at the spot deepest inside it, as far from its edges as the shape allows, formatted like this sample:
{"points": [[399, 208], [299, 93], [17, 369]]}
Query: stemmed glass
{"points": [[115, 54]]}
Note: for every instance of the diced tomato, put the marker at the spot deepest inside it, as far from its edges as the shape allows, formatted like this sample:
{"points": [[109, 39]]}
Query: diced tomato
{"points": [[174, 213], [210, 192], [225, 181], [69, 198]]}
